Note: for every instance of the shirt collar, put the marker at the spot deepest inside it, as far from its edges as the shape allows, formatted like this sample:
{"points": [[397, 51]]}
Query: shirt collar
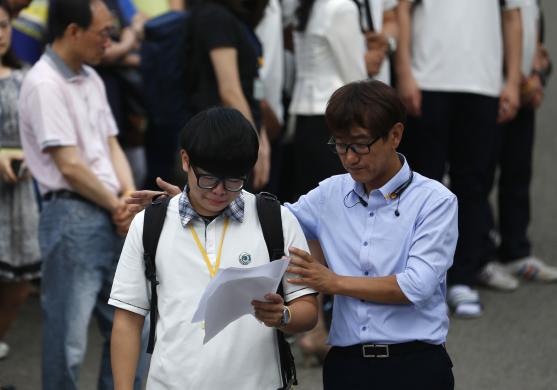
{"points": [[234, 210], [389, 187], [62, 67]]}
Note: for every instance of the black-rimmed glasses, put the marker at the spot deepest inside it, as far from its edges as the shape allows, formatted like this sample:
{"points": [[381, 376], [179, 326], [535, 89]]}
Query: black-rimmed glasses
{"points": [[342, 148], [208, 181]]}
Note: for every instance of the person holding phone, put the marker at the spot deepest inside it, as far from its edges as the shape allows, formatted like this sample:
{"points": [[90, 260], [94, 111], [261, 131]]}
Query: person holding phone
{"points": [[19, 247]]}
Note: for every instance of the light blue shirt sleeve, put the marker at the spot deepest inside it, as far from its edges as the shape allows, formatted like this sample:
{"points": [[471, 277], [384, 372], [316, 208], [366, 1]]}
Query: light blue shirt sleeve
{"points": [[431, 253], [307, 212]]}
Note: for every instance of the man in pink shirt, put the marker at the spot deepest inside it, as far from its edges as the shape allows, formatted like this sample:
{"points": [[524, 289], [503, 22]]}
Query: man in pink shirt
{"points": [[69, 139]]}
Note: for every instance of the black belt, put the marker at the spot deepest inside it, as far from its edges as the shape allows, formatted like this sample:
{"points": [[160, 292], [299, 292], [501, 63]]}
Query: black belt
{"points": [[385, 350], [64, 194]]}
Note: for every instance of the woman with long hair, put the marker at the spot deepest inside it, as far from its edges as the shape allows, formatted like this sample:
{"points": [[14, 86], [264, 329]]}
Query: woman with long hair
{"points": [[19, 248]]}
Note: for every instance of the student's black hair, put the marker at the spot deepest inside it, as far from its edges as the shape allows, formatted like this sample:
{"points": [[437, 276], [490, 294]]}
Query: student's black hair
{"points": [[9, 59], [62, 13], [221, 141]]}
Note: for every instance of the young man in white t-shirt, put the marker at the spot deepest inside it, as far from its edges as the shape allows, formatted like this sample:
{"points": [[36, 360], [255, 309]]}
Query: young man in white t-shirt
{"points": [[449, 68], [212, 224], [514, 252]]}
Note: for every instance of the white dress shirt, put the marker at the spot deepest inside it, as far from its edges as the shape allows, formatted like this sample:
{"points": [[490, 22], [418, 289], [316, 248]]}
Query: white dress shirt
{"points": [[329, 54]]}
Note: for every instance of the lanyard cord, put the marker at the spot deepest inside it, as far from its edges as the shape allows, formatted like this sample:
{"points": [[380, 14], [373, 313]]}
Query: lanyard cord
{"points": [[212, 270]]}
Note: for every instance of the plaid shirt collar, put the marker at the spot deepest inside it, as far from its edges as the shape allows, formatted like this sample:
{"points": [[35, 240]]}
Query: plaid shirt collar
{"points": [[234, 210]]}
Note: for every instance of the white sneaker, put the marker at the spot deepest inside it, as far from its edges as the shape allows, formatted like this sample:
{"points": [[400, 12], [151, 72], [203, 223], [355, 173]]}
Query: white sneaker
{"points": [[4, 350], [496, 276], [464, 301], [532, 268]]}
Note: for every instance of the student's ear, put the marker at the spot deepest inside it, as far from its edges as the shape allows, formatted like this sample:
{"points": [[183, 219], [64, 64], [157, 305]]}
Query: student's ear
{"points": [[396, 134], [185, 160]]}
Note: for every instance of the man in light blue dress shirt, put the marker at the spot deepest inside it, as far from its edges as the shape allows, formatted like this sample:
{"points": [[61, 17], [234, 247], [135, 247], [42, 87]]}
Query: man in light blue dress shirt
{"points": [[388, 235]]}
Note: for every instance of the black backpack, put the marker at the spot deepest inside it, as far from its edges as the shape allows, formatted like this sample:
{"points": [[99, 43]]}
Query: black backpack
{"points": [[268, 211]]}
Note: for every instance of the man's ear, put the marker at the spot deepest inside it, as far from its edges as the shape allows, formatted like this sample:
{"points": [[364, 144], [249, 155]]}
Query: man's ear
{"points": [[396, 134], [73, 31], [185, 160]]}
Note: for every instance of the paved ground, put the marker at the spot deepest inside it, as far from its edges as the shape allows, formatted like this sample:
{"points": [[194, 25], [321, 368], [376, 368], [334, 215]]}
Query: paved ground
{"points": [[513, 347]]}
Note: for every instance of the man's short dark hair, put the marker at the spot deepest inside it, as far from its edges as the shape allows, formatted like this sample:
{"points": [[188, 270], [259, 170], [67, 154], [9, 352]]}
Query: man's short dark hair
{"points": [[221, 141], [369, 104], [62, 13]]}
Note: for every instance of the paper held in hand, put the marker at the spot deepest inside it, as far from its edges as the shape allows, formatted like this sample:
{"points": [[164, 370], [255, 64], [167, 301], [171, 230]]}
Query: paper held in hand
{"points": [[229, 294]]}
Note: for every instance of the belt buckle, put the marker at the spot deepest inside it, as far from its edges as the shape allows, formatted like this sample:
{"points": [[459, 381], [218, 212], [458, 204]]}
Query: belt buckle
{"points": [[370, 355]]}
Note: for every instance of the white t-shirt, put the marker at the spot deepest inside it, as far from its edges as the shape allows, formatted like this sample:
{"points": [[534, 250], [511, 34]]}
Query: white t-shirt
{"points": [[245, 354], [457, 45]]}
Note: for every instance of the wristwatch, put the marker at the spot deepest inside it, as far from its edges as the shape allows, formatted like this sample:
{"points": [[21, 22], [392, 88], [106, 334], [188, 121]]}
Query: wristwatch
{"points": [[286, 317]]}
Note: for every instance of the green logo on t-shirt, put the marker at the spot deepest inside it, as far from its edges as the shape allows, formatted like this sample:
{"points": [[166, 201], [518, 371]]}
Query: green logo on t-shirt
{"points": [[245, 258]]}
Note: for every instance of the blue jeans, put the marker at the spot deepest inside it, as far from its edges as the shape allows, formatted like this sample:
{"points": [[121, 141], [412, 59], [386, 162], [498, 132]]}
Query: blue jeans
{"points": [[80, 252]]}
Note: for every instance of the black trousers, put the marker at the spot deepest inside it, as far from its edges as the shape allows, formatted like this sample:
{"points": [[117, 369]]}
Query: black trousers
{"points": [[458, 131], [515, 173], [424, 370], [313, 158]]}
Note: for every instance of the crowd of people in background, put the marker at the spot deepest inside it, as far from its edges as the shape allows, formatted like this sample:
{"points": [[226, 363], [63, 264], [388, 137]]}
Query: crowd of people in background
{"points": [[471, 91]]}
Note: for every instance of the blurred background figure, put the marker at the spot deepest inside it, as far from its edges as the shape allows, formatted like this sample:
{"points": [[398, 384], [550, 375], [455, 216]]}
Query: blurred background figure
{"points": [[119, 71], [154, 8], [378, 22], [19, 246], [514, 251], [29, 31], [224, 58], [449, 75], [269, 31], [329, 49]]}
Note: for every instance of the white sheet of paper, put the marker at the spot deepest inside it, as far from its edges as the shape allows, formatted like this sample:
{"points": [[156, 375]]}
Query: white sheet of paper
{"points": [[228, 295]]}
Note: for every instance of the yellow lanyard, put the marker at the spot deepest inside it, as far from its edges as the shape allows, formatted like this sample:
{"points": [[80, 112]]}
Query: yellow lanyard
{"points": [[212, 270]]}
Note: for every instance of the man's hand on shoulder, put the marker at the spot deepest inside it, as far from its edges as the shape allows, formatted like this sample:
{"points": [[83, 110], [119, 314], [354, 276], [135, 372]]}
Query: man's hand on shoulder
{"points": [[137, 201], [122, 217]]}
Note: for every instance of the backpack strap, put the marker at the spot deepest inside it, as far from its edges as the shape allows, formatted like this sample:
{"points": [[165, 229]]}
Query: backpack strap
{"points": [[365, 13], [268, 211], [155, 215]]}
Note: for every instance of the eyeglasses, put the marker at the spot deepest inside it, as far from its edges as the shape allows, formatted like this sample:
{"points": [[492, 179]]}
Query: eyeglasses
{"points": [[342, 148], [105, 33], [208, 181]]}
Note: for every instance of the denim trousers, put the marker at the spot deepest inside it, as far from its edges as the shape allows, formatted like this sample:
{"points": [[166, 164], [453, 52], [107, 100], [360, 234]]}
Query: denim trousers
{"points": [[80, 251]]}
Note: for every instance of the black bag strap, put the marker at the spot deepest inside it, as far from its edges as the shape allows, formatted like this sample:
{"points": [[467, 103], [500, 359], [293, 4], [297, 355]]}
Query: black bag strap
{"points": [[268, 211], [155, 215], [369, 19]]}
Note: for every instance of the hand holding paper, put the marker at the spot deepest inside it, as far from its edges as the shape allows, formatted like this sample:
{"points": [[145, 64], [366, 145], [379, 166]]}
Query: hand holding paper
{"points": [[230, 293]]}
